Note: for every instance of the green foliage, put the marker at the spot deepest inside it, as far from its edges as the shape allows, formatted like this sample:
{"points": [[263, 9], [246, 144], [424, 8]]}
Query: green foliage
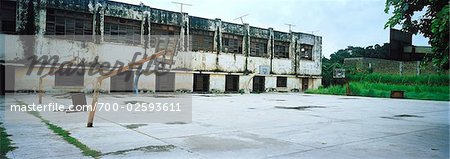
{"points": [[337, 59], [434, 24], [431, 80], [5, 142], [383, 90]]}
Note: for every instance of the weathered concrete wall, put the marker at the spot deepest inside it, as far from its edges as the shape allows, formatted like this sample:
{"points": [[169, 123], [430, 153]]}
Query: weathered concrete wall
{"points": [[271, 82], [293, 83], [282, 66], [31, 81], [231, 62], [147, 82], [184, 80], [217, 82]]}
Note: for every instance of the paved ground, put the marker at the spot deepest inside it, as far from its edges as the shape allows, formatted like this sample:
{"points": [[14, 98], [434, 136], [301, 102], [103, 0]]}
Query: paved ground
{"points": [[251, 126]]}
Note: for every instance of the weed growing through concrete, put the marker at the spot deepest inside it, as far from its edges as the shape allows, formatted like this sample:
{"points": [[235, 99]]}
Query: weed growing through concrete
{"points": [[65, 135], [5, 142]]}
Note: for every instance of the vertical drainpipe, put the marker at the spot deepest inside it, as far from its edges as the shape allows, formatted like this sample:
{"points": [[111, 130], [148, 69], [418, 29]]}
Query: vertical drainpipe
{"points": [[246, 46], [271, 48], [218, 40]]}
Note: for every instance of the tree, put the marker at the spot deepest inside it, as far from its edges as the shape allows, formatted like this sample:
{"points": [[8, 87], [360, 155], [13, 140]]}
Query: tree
{"points": [[434, 24]]}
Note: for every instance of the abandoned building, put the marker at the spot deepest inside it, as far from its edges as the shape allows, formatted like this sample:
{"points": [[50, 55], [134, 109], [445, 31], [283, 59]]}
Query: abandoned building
{"points": [[213, 55]]}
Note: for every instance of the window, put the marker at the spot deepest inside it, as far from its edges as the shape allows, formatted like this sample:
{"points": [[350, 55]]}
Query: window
{"points": [[281, 49], [232, 43], [8, 26], [306, 51], [202, 40], [122, 30], [201, 83], [258, 47], [231, 83], [69, 24], [8, 16], [159, 29], [281, 81]]}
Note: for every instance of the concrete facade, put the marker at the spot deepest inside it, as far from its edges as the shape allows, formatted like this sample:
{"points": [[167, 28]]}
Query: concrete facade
{"points": [[217, 62]]}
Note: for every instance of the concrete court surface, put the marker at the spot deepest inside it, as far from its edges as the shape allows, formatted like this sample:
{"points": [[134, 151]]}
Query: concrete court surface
{"points": [[271, 125]]}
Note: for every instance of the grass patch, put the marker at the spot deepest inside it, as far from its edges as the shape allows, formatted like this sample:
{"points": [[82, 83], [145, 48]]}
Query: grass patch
{"points": [[433, 80], [65, 135], [5, 142], [368, 89]]}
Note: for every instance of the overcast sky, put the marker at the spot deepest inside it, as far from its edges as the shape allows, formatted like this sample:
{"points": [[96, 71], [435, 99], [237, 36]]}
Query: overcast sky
{"points": [[341, 23]]}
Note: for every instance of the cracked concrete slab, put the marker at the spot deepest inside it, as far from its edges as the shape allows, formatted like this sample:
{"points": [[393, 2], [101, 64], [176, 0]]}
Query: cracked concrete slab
{"points": [[249, 126]]}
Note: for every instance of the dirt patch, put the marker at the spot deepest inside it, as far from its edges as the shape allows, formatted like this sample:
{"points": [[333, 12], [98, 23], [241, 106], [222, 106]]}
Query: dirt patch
{"points": [[176, 123], [299, 107], [134, 126], [407, 116], [401, 116], [133, 102], [62, 96], [163, 148]]}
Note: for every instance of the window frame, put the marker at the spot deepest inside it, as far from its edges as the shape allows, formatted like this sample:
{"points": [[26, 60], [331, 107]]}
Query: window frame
{"points": [[281, 81], [132, 33], [258, 47], [201, 40], [232, 43], [281, 49], [306, 52], [58, 21]]}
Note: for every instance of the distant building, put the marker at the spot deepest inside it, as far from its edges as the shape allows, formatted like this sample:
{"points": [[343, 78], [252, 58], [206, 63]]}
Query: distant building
{"points": [[401, 48], [214, 55], [403, 58]]}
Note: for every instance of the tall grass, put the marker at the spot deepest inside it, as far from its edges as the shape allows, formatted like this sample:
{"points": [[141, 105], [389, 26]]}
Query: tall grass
{"points": [[430, 80], [369, 89]]}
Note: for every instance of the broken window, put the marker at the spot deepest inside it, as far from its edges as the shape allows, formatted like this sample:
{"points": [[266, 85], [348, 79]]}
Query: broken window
{"points": [[232, 43], [122, 30], [281, 49], [281, 81], [69, 24], [306, 51], [160, 29], [258, 47], [202, 40], [8, 16]]}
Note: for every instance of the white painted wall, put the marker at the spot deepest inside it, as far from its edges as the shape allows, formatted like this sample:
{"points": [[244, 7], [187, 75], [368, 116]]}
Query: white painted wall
{"points": [[217, 81]]}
